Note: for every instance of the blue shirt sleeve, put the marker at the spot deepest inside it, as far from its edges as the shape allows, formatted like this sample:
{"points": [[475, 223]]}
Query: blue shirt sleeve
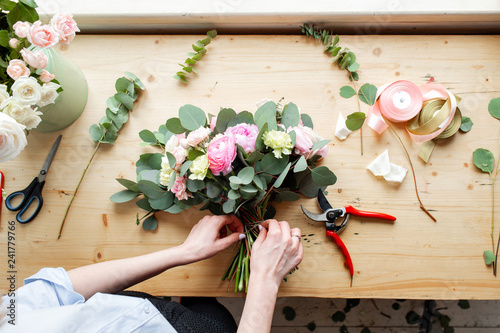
{"points": [[50, 287]]}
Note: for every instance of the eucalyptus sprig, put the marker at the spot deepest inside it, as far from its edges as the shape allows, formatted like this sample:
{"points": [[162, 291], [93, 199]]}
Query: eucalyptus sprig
{"points": [[485, 161], [117, 113], [199, 51]]}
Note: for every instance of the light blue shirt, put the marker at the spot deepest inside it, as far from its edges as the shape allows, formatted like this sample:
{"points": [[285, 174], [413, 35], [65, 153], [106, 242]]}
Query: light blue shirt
{"points": [[48, 303]]}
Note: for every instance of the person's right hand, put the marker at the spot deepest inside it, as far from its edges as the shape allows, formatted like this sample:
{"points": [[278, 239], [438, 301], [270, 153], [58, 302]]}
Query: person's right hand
{"points": [[275, 252]]}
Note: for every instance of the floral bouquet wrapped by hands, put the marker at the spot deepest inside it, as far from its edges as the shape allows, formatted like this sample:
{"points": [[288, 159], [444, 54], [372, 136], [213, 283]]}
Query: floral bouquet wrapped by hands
{"points": [[25, 83], [234, 163]]}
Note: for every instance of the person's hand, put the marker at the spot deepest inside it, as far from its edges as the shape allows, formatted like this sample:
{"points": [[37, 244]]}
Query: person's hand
{"points": [[209, 236], [276, 251]]}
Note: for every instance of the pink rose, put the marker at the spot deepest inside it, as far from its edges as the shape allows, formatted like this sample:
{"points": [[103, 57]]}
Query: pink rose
{"points": [[17, 68], [245, 135], [42, 35], [179, 189], [180, 155], [21, 29], [305, 138], [65, 26], [213, 122], [36, 59], [14, 43], [46, 76], [221, 153], [195, 137]]}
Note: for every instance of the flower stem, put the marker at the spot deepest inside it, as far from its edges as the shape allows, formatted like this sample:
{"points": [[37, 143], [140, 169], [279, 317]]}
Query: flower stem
{"points": [[413, 173], [359, 109], [495, 264], [76, 190]]}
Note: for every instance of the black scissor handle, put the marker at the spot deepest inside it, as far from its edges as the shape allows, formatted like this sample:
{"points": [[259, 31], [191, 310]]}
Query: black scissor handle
{"points": [[26, 193]]}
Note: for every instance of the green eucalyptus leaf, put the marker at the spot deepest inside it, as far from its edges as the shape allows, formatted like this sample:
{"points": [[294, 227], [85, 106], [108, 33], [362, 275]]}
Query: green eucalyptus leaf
{"points": [[246, 175], [136, 80], [306, 120], [147, 136], [174, 209], [124, 196], [353, 67], [242, 117], [193, 154], [144, 204], [355, 120], [160, 137], [484, 160], [130, 185], [174, 125], [319, 144], [367, 93], [150, 175], [150, 223], [273, 165], [266, 114], [228, 206], [195, 185], [322, 176], [185, 167], [293, 137], [233, 195], [301, 165], [163, 202], [307, 186], [291, 116], [347, 91], [150, 189], [466, 124], [258, 181], [248, 189], [489, 257], [125, 100], [171, 160], [494, 107], [155, 161], [223, 118], [235, 180], [191, 117], [282, 176], [288, 196], [259, 142], [125, 86], [213, 190], [254, 157], [113, 104], [95, 133]]}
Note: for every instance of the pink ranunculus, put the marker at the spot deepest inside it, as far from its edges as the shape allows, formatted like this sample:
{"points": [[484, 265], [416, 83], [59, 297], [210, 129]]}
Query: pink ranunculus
{"points": [[197, 136], [245, 135], [17, 68], [221, 153], [42, 35], [180, 155], [213, 122], [179, 189], [21, 29], [46, 76], [65, 26], [36, 59]]}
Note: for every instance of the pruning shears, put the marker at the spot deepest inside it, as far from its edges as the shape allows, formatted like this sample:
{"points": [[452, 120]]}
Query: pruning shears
{"points": [[330, 216]]}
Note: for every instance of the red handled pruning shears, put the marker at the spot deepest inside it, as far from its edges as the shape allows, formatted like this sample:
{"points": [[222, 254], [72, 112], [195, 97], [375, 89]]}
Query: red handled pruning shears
{"points": [[330, 215]]}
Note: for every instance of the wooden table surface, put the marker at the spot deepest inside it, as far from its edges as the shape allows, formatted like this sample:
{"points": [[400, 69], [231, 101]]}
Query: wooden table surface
{"points": [[411, 258]]}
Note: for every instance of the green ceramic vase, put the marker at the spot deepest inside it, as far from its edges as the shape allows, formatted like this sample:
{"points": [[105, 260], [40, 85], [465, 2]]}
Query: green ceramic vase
{"points": [[71, 102]]}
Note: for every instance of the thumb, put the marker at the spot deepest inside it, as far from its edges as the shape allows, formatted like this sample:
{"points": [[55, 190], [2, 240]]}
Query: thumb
{"points": [[225, 242], [260, 239]]}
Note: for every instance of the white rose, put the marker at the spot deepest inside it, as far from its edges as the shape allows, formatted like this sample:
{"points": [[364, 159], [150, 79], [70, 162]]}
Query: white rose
{"points": [[13, 108], [3, 93], [27, 90], [166, 172], [195, 137], [12, 138], [32, 119], [171, 144], [49, 94]]}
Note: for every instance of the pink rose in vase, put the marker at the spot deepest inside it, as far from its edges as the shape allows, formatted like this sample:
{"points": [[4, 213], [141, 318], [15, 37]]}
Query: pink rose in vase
{"points": [[42, 35], [65, 26]]}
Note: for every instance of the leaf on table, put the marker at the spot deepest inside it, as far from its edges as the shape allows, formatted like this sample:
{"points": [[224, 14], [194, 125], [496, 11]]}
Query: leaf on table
{"points": [[483, 159], [466, 124], [347, 92], [124, 196], [367, 93], [494, 107], [489, 257]]}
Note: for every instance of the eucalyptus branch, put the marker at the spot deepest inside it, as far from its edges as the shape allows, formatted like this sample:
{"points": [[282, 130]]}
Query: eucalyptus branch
{"points": [[117, 114], [413, 173], [194, 57]]}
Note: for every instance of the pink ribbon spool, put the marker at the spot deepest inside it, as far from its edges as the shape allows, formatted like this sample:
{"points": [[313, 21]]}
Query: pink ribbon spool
{"points": [[398, 102]]}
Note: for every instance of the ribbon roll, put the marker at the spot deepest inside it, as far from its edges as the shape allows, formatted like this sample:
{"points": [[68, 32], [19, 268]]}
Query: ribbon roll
{"points": [[397, 102]]}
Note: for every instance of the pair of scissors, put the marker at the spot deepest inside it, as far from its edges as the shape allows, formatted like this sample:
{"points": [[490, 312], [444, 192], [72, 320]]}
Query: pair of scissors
{"points": [[33, 191], [330, 216]]}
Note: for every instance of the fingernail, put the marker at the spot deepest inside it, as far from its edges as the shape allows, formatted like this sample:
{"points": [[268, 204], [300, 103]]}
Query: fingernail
{"points": [[242, 236], [260, 227]]}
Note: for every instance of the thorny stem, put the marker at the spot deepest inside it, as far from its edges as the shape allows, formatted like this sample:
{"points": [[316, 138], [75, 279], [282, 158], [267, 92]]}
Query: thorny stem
{"points": [[413, 173], [76, 190]]}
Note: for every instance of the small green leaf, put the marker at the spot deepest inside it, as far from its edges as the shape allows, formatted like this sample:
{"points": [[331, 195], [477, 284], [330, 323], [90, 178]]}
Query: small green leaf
{"points": [[301, 165], [355, 120], [354, 67], [130, 185], [259, 142], [347, 92], [266, 114], [254, 157], [125, 86], [258, 181], [150, 223], [291, 116], [185, 167], [195, 185], [306, 120], [125, 99], [288, 196], [489, 257], [4, 38], [484, 160], [171, 160], [192, 117], [246, 175], [233, 195], [147, 136], [174, 126], [143, 204], [30, 3], [223, 118], [466, 124], [213, 190], [464, 304], [163, 202], [235, 180], [150, 175], [319, 144], [150, 189], [193, 154], [95, 133], [124, 196], [136, 80], [113, 104], [282, 176], [212, 33], [494, 107], [322, 176], [367, 93], [228, 206], [273, 165]]}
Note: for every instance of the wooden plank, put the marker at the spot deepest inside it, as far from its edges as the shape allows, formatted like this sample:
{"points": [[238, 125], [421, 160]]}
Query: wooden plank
{"points": [[412, 258]]}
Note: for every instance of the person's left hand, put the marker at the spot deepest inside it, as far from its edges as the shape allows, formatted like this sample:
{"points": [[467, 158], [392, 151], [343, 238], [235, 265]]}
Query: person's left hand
{"points": [[208, 237]]}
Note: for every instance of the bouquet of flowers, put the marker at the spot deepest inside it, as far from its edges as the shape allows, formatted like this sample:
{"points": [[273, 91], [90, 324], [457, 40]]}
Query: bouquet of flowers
{"points": [[234, 163], [25, 83]]}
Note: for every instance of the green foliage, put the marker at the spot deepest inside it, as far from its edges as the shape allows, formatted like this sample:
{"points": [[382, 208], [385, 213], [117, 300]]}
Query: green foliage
{"points": [[484, 160], [355, 120], [466, 124], [200, 49], [367, 93], [489, 257], [118, 107], [494, 107], [124, 196], [347, 92], [192, 117]]}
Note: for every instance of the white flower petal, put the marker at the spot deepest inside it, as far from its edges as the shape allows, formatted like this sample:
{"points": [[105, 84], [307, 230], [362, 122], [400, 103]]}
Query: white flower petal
{"points": [[397, 174], [381, 165], [341, 131]]}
